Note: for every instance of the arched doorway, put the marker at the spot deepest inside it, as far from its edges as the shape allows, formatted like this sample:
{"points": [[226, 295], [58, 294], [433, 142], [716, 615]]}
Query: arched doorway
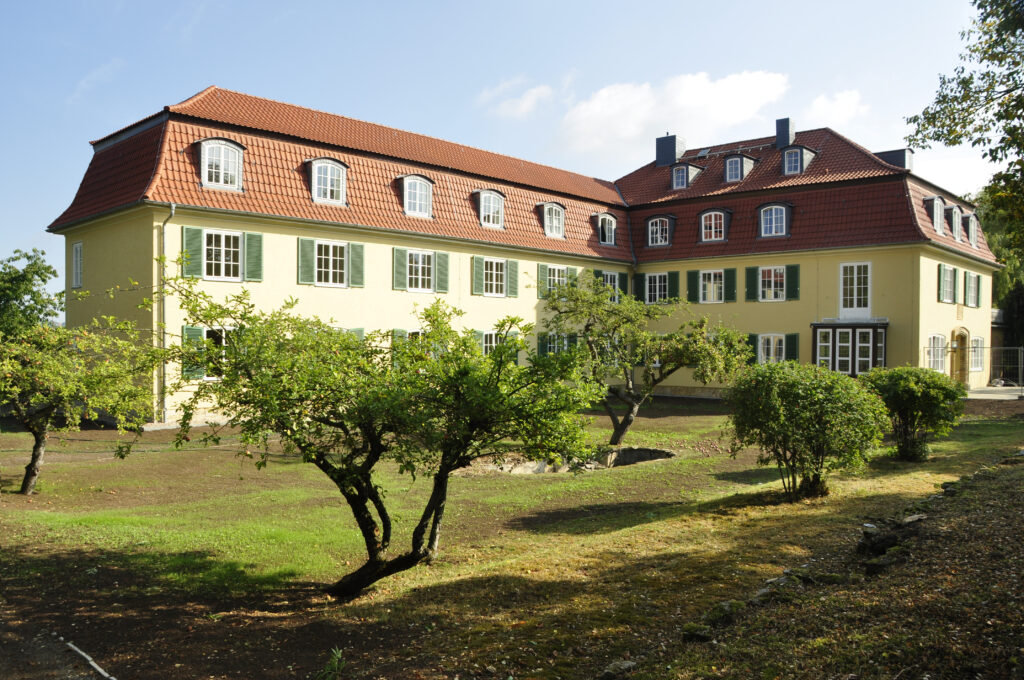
{"points": [[959, 366]]}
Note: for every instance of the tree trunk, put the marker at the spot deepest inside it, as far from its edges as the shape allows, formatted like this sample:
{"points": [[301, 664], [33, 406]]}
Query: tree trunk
{"points": [[623, 425], [28, 484]]}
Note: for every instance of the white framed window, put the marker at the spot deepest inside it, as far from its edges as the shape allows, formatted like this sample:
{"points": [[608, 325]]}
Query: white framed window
{"points": [[792, 162], [328, 181], [554, 220], [418, 196], [612, 279], [972, 230], [880, 347], [420, 271], [712, 226], [557, 276], [712, 286], [947, 283], [824, 340], [494, 277], [855, 290], [771, 348], [657, 231], [977, 354], [492, 209], [935, 353], [606, 229], [557, 342], [221, 164], [864, 347], [956, 223], [76, 265], [844, 350], [657, 288], [222, 255], [733, 169], [680, 177], [773, 221], [489, 341], [331, 263], [773, 284], [218, 337], [971, 282], [938, 214]]}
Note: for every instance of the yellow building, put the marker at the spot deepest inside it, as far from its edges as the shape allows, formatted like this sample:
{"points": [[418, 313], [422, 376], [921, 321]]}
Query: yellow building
{"points": [[820, 250]]}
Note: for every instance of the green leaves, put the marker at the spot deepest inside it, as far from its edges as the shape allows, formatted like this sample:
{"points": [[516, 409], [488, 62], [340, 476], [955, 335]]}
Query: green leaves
{"points": [[24, 300]]}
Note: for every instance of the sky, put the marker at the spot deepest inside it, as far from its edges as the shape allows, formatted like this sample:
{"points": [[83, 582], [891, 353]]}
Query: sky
{"points": [[584, 86]]}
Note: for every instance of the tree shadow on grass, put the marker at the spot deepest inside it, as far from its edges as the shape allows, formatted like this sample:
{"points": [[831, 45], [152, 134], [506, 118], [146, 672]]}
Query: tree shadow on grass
{"points": [[752, 476]]}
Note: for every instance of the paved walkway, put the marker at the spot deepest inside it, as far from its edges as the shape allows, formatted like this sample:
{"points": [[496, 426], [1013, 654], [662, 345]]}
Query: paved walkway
{"points": [[995, 393]]}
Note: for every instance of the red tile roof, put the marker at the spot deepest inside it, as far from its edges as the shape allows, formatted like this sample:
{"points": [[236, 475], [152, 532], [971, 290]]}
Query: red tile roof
{"points": [[923, 221]]}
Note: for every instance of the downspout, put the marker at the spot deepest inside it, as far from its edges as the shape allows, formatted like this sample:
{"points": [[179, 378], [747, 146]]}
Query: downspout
{"points": [[161, 288]]}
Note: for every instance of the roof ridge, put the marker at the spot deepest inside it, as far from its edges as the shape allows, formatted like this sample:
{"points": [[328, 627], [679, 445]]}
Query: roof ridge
{"points": [[863, 149], [196, 97], [213, 88]]}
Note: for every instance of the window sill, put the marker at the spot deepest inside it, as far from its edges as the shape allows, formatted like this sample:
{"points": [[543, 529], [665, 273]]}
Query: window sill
{"points": [[335, 204], [223, 187]]}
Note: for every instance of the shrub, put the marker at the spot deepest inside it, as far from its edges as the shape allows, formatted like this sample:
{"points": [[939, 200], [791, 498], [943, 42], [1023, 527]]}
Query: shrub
{"points": [[807, 420], [920, 402]]}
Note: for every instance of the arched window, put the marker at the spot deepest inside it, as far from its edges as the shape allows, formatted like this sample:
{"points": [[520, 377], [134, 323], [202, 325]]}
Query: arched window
{"points": [[606, 229], [328, 181], [657, 231], [712, 226], [773, 221], [221, 164], [554, 220], [418, 196], [492, 209]]}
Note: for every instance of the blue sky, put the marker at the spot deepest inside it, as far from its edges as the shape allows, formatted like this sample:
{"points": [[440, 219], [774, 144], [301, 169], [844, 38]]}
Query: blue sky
{"points": [[585, 86]]}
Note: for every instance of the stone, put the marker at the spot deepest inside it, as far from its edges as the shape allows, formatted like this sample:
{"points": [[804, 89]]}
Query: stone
{"points": [[912, 519], [617, 669]]}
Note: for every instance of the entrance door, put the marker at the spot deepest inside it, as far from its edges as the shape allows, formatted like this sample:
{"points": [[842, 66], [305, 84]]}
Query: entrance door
{"points": [[959, 365]]}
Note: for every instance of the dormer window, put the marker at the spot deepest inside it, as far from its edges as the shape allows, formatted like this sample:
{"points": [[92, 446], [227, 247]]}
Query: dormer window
{"points": [[972, 229], [606, 229], [418, 193], [774, 220], [936, 210], [679, 177], [492, 209], [658, 230], [955, 223], [328, 181], [221, 164], [792, 164], [733, 169], [554, 220], [712, 226]]}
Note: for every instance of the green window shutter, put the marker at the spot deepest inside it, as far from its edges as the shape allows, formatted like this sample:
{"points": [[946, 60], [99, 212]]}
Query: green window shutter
{"points": [[977, 292], [967, 275], [358, 332], [479, 335], [355, 265], [753, 291], [942, 269], [673, 284], [478, 276], [752, 340], [397, 335], [693, 286], [192, 335], [512, 278], [253, 256], [730, 285], [792, 282], [542, 280], [192, 252], [792, 345], [307, 261], [623, 283], [400, 280], [542, 344], [956, 287], [440, 272], [639, 287]]}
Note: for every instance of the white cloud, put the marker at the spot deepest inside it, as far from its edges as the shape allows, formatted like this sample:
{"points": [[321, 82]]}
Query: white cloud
{"points": [[835, 111], [524, 104], [97, 76], [960, 169], [491, 93], [622, 120]]}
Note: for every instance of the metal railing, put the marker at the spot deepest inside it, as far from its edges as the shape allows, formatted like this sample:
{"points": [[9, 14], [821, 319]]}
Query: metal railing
{"points": [[1007, 367]]}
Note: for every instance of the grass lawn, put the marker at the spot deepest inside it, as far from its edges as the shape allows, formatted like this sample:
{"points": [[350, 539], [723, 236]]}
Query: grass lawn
{"points": [[193, 564]]}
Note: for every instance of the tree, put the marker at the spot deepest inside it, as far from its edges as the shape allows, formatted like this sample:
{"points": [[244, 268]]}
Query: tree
{"points": [[24, 301], [51, 379], [806, 419], [998, 227], [921, 402], [432, 404], [983, 103], [620, 350]]}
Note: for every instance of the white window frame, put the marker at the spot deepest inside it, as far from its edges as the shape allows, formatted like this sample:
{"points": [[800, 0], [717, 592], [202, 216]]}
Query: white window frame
{"points": [[492, 210], [972, 229], [935, 353], [230, 156], [558, 342], [713, 228], [488, 342], [223, 331], [824, 354], [938, 215], [880, 347], [947, 284], [977, 354], [712, 280], [331, 260], [956, 221], [557, 276], [773, 221], [680, 171], [325, 173], [76, 264], [771, 348], [862, 358], [795, 167], [734, 169], [606, 225], [418, 196], [856, 311], [495, 277], [207, 262], [774, 293], [971, 282], [554, 220], [611, 279], [655, 287], [848, 346], [417, 260], [658, 231]]}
